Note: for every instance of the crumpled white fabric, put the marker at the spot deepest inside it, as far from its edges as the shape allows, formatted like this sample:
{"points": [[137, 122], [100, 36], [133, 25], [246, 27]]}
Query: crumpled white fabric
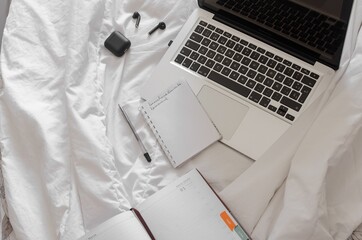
{"points": [[70, 161]]}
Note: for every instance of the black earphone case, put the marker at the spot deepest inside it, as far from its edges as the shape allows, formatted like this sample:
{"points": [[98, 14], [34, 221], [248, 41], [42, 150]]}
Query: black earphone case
{"points": [[117, 43]]}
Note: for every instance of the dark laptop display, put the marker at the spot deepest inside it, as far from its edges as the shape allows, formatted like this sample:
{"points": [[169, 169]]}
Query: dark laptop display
{"points": [[313, 30]]}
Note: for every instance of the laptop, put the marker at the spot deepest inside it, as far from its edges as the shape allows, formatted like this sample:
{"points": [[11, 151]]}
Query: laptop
{"points": [[255, 65]]}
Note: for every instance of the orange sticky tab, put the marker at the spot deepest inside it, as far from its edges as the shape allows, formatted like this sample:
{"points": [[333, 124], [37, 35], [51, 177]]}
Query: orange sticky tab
{"points": [[228, 221]]}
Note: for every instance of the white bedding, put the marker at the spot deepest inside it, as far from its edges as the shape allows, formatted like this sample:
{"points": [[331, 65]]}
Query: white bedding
{"points": [[70, 161]]}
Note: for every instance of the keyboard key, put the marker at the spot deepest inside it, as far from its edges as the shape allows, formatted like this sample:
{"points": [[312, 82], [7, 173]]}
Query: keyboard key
{"points": [[202, 59], [243, 69], [230, 44], [226, 71], [254, 55], [261, 50], [196, 37], [279, 59], [226, 82], [234, 75], [271, 63], [282, 110], [269, 54], [222, 40], [262, 69], [210, 63], [238, 47], [252, 46], [218, 30], [314, 75], [203, 71], [305, 71], [242, 41], [288, 71], [308, 81], [251, 83], [294, 95], [259, 78], [221, 49], [202, 23], [195, 66], [279, 77], [285, 90], [290, 117], [246, 51], [242, 79], [206, 33], [211, 27], [185, 51], [277, 86], [255, 97], [268, 82], [179, 58], [280, 67], [272, 108], [235, 66], [217, 67], [276, 96], [214, 45], [194, 55], [254, 65], [193, 45], [246, 61], [226, 34], [226, 61], [286, 62], [187, 62], [205, 42], [297, 76], [268, 92], [203, 50], [199, 29], [264, 102], [259, 88], [211, 54], [214, 36], [296, 67], [218, 57], [271, 73], [251, 74], [297, 86], [288, 82], [237, 57], [229, 53], [291, 103], [263, 59]]}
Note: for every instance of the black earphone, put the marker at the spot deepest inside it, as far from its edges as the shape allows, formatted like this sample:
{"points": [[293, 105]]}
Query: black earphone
{"points": [[138, 16]]}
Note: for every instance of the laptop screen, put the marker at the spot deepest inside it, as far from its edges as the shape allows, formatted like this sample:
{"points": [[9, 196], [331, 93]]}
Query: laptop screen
{"points": [[313, 30]]}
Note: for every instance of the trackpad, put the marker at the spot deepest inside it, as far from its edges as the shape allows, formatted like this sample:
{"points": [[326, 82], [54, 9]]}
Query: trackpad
{"points": [[225, 112]]}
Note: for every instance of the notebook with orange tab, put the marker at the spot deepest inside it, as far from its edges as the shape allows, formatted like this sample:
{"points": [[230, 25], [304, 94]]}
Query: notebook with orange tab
{"points": [[187, 208]]}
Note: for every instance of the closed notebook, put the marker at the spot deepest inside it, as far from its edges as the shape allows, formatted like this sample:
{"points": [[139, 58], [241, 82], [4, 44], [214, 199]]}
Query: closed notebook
{"points": [[179, 122]]}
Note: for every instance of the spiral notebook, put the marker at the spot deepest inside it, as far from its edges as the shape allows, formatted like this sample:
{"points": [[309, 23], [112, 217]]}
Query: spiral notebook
{"points": [[179, 122]]}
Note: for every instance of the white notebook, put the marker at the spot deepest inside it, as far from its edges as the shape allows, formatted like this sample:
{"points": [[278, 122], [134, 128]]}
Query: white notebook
{"points": [[185, 209], [179, 122]]}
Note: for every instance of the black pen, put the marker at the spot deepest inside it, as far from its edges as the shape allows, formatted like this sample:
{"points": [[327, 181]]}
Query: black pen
{"points": [[144, 151]]}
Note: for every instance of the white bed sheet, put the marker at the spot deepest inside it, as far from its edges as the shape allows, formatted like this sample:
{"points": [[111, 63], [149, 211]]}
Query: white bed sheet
{"points": [[70, 161]]}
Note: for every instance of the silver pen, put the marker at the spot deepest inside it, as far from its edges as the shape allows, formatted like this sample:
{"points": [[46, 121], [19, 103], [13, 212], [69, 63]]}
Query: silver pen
{"points": [[144, 151]]}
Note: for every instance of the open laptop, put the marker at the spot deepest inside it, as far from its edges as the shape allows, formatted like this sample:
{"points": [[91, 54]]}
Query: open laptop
{"points": [[255, 65]]}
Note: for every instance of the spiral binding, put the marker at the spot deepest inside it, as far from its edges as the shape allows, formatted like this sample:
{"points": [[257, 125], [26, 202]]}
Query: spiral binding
{"points": [[156, 133]]}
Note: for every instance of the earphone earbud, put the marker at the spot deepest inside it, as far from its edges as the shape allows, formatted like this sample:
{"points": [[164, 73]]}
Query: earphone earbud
{"points": [[161, 26], [138, 16]]}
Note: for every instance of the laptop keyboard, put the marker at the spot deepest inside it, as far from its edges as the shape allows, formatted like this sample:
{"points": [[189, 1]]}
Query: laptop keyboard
{"points": [[262, 77]]}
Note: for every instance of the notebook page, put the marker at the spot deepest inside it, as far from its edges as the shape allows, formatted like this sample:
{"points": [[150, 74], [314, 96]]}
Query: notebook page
{"points": [[180, 124], [123, 226], [188, 209]]}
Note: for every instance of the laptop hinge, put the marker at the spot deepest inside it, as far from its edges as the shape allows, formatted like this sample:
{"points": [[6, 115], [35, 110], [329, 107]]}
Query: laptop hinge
{"points": [[267, 36]]}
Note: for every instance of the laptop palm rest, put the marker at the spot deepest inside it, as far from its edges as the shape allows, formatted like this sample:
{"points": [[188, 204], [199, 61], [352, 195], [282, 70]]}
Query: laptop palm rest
{"points": [[225, 112]]}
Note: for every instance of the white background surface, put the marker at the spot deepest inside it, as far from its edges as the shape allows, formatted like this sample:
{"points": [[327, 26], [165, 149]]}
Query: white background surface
{"points": [[70, 161]]}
